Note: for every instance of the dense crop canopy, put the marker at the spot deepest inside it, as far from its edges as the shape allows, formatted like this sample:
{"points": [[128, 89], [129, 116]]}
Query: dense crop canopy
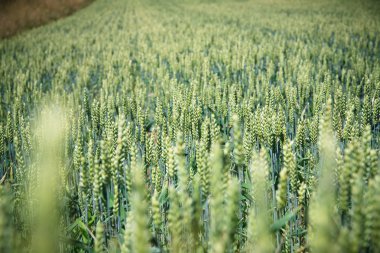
{"points": [[193, 126]]}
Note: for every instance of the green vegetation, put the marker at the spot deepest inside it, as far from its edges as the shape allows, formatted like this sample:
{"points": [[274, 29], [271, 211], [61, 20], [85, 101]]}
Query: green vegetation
{"points": [[184, 126]]}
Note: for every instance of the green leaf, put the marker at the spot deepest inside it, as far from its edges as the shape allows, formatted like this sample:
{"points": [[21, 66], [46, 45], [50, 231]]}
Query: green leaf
{"points": [[299, 232], [247, 196], [277, 225], [76, 244], [164, 196]]}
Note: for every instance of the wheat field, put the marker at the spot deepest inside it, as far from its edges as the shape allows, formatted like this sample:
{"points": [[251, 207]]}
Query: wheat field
{"points": [[193, 126]]}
